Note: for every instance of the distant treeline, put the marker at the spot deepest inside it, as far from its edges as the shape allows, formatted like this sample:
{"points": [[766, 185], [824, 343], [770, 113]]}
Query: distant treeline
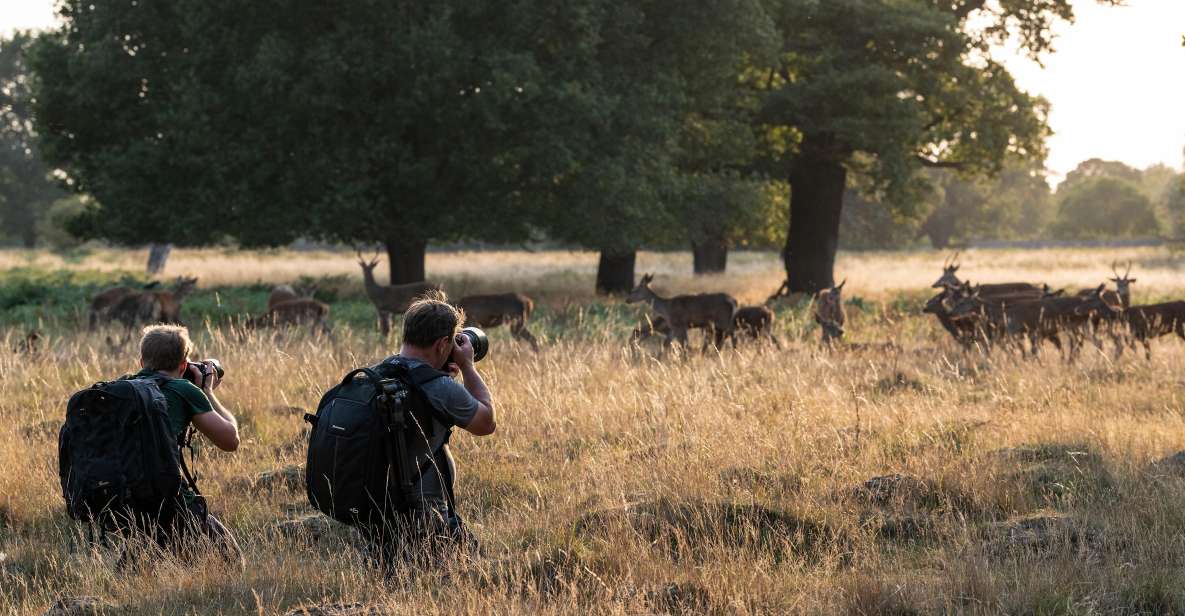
{"points": [[613, 125]]}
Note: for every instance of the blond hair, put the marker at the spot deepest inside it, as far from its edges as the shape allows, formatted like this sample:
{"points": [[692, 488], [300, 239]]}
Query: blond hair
{"points": [[164, 347]]}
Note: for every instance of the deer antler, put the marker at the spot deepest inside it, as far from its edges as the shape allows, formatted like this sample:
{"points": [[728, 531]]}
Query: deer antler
{"points": [[1129, 268]]}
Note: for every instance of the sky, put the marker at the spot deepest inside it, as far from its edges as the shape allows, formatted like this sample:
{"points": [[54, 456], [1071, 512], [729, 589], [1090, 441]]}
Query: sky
{"points": [[1116, 81]]}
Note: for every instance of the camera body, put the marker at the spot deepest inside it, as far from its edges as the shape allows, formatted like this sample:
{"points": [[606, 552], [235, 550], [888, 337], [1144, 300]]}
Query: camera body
{"points": [[204, 370]]}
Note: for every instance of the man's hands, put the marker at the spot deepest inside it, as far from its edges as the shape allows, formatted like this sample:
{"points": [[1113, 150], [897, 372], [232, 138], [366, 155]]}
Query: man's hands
{"points": [[462, 352], [210, 382]]}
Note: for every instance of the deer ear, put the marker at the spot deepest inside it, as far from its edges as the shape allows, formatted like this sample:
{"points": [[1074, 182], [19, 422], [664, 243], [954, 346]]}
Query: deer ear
{"points": [[954, 268], [845, 281], [1131, 280]]}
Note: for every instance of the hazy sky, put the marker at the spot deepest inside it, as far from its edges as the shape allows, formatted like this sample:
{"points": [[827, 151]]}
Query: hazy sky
{"points": [[1116, 82]]}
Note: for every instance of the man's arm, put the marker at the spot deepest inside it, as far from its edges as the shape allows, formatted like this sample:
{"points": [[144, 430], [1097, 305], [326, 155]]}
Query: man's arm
{"points": [[483, 421], [220, 426]]}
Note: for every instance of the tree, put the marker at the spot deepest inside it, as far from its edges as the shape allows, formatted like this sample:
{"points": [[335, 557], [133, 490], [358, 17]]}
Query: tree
{"points": [[1104, 207], [659, 144], [26, 186], [1016, 203], [906, 84]]}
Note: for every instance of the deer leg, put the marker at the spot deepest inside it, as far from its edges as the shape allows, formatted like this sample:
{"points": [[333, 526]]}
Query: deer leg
{"points": [[719, 337], [384, 323], [520, 332], [1147, 348]]}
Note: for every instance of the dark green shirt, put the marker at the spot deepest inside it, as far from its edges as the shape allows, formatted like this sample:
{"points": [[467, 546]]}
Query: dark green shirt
{"points": [[185, 400]]}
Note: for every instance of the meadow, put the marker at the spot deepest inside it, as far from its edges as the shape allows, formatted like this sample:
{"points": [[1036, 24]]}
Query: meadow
{"points": [[903, 478]]}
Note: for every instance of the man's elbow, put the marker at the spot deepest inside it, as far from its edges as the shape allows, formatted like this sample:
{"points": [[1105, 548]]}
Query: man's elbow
{"points": [[229, 443]]}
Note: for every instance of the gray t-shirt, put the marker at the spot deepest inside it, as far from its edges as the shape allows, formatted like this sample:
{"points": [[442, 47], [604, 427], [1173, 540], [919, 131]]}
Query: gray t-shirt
{"points": [[457, 405]]}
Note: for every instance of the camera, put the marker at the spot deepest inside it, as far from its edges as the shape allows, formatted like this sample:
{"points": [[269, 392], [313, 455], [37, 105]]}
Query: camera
{"points": [[204, 370], [477, 338]]}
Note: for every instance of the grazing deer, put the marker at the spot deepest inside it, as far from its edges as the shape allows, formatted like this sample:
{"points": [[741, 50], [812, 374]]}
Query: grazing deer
{"points": [[712, 312], [104, 301], [153, 306], [299, 311], [30, 344], [1153, 321], [392, 299], [497, 309], [950, 280], [286, 293], [829, 313], [756, 321]]}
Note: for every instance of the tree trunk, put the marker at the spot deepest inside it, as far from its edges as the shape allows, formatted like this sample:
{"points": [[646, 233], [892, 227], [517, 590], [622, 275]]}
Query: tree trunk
{"points": [[158, 256], [709, 256], [406, 260], [615, 272], [817, 184]]}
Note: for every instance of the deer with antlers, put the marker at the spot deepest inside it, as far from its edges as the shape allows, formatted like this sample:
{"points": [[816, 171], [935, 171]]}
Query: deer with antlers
{"points": [[153, 305], [1122, 297], [391, 299], [494, 310], [712, 312], [949, 280]]}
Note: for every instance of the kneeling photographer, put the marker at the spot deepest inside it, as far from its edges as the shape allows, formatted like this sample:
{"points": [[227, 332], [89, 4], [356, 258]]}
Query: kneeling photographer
{"points": [[121, 450], [378, 453]]}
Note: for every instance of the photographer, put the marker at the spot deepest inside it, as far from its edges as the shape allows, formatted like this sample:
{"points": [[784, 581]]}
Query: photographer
{"points": [[164, 354], [431, 328]]}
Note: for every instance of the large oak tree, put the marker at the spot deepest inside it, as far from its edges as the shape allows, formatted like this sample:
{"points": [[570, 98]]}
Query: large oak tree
{"points": [[893, 86]]}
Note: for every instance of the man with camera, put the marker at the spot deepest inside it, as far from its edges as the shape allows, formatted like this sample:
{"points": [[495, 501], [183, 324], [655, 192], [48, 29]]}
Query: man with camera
{"points": [[121, 458], [378, 453], [188, 389], [432, 337]]}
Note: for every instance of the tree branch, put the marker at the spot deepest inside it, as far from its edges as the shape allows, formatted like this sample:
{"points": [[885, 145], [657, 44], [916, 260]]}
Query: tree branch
{"points": [[939, 164]]}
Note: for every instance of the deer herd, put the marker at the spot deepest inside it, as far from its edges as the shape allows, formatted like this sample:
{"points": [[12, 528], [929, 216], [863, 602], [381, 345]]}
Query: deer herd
{"points": [[984, 316]]}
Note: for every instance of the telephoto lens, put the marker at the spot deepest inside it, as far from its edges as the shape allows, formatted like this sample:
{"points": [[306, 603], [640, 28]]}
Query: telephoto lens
{"points": [[477, 338]]}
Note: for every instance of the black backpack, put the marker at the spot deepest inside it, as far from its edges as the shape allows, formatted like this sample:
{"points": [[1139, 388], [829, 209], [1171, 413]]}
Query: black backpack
{"points": [[358, 469], [119, 464]]}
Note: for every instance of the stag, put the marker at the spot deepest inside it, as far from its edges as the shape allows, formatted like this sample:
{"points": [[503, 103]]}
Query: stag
{"points": [[1122, 297], [498, 309], [756, 321], [829, 313], [1151, 321], [712, 312], [153, 306], [950, 280], [393, 299]]}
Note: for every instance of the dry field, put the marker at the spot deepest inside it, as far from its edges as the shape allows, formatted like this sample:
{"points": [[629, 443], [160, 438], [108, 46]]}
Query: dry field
{"points": [[621, 481]]}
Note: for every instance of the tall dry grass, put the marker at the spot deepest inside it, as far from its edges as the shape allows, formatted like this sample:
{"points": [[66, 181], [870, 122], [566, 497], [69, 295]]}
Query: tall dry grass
{"points": [[622, 481]]}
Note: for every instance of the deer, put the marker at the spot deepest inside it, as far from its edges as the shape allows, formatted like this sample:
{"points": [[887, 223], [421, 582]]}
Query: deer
{"points": [[153, 306], [392, 299], [1150, 321], [498, 309], [286, 293], [1037, 320], [293, 312], [968, 332], [829, 313], [756, 321], [950, 280], [104, 301], [1121, 296], [712, 312]]}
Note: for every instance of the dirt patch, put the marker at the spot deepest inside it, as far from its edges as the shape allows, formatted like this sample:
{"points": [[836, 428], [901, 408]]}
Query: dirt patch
{"points": [[336, 609], [753, 479], [1043, 534], [1058, 473], [906, 493], [289, 478], [80, 606]]}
